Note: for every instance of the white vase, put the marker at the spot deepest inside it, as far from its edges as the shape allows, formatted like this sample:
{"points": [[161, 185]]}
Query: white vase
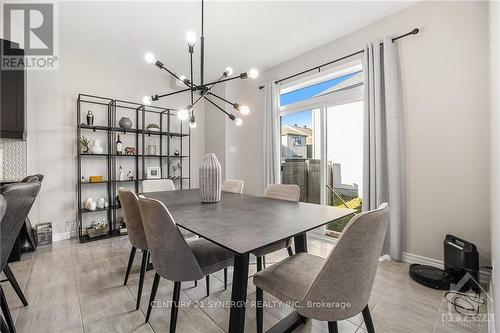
{"points": [[210, 179], [96, 147]]}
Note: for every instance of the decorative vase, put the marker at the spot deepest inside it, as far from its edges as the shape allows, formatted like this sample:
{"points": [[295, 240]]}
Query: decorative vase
{"points": [[125, 122], [210, 179], [97, 148], [90, 118], [152, 147]]}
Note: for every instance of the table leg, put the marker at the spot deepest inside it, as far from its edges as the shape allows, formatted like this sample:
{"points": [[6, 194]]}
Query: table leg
{"points": [[300, 243], [239, 294]]}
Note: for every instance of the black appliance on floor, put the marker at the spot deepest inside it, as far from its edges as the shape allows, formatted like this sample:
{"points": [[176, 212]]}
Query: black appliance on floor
{"points": [[460, 258]]}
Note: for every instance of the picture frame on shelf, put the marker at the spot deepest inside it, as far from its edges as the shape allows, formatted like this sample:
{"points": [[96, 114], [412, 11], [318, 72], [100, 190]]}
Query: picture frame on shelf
{"points": [[153, 173]]}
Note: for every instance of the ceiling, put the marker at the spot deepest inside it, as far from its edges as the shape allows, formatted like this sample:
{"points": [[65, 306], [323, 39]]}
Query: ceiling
{"points": [[239, 34]]}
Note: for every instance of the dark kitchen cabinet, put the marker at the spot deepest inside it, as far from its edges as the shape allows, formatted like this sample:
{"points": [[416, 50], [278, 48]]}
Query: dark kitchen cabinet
{"points": [[12, 95]]}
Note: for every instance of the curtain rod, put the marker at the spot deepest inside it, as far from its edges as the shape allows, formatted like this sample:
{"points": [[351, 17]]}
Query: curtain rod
{"points": [[413, 32]]}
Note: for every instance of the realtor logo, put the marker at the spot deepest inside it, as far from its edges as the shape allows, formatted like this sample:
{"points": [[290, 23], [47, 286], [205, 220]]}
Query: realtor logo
{"points": [[32, 27]]}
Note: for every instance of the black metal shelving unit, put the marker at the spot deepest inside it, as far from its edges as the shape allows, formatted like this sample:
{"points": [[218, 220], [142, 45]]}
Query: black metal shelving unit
{"points": [[164, 156]]}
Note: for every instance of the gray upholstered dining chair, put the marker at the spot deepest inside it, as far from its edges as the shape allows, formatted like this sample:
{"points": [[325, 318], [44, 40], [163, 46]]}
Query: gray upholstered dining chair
{"points": [[19, 198], [175, 258], [157, 185], [233, 186], [343, 280], [3, 207], [229, 186], [136, 236], [27, 229], [289, 192]]}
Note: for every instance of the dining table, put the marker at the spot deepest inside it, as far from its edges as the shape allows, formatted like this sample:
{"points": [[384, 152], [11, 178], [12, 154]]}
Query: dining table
{"points": [[243, 224]]}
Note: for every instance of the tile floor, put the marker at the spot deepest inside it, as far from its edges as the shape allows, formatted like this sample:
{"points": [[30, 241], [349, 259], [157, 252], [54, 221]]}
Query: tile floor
{"points": [[73, 287]]}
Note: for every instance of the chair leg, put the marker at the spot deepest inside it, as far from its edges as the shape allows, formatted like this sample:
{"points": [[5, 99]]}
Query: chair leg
{"points": [[12, 279], [332, 327], [129, 266], [154, 289], [290, 252], [264, 262], [3, 326], [196, 283], [259, 264], [259, 310], [6, 311], [175, 306], [141, 278], [368, 320], [225, 278], [207, 278]]}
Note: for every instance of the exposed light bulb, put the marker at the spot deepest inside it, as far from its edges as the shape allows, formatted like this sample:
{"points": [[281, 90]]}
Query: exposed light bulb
{"points": [[238, 121], [244, 109], [190, 38], [192, 122], [150, 57], [253, 73], [147, 100], [183, 114], [229, 71]]}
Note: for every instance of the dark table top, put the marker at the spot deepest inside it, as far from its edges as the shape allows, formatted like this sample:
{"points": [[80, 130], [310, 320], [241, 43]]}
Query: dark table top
{"points": [[244, 223]]}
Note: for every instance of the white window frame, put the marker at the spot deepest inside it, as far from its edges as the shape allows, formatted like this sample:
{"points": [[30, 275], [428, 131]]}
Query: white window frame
{"points": [[320, 119]]}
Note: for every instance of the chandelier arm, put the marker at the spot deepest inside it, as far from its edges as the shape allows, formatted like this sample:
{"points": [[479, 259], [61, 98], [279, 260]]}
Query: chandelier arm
{"points": [[202, 86], [171, 93], [231, 116], [223, 99], [191, 85]]}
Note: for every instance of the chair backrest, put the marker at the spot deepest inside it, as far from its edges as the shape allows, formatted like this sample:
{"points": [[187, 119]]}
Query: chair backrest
{"points": [[349, 271], [172, 257], [3, 207], [37, 177], [290, 192], [133, 221], [157, 185], [19, 198], [233, 186]]}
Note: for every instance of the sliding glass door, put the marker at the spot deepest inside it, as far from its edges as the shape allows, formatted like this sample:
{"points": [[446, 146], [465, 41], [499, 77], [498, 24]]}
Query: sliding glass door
{"points": [[322, 143], [344, 156]]}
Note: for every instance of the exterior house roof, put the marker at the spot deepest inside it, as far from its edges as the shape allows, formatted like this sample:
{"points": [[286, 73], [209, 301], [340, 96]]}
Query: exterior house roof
{"points": [[299, 131]]}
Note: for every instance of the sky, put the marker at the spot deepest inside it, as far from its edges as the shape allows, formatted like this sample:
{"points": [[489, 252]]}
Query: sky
{"points": [[305, 117]]}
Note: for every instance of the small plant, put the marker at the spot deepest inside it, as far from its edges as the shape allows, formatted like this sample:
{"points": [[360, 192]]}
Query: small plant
{"points": [[85, 142], [153, 127]]}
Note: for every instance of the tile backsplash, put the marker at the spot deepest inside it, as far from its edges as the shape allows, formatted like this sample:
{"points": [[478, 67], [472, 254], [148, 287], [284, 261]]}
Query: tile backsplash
{"points": [[13, 164]]}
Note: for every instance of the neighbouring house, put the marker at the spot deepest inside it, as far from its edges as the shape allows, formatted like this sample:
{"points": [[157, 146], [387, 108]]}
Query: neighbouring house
{"points": [[296, 141]]}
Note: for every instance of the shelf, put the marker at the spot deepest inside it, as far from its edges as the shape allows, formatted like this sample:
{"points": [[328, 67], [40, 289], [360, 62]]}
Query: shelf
{"points": [[101, 182], [111, 234], [131, 130], [94, 127], [90, 154], [146, 132], [169, 156], [109, 129], [84, 210]]}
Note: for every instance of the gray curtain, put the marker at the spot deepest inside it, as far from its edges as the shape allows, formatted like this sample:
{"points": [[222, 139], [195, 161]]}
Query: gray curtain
{"points": [[271, 134], [383, 140]]}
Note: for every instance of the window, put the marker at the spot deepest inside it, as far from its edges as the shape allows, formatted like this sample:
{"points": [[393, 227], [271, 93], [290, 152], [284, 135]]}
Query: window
{"points": [[322, 138]]}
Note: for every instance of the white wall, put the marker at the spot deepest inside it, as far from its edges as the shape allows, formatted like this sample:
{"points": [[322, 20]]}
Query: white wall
{"points": [[444, 70], [51, 113], [495, 152]]}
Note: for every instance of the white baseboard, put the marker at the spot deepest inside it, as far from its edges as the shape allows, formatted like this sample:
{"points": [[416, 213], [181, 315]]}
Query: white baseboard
{"points": [[484, 274], [60, 236]]}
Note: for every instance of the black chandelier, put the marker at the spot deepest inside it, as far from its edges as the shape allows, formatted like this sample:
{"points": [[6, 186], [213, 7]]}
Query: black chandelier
{"points": [[205, 90]]}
